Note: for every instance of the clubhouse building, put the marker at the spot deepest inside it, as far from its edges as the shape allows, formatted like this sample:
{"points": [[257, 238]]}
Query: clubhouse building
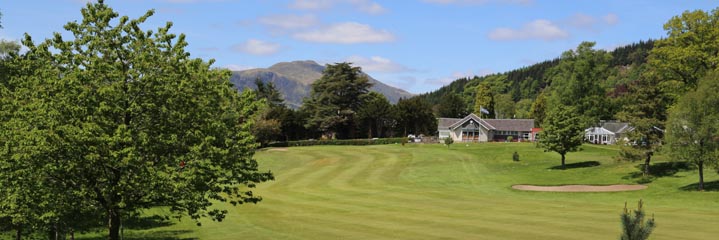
{"points": [[474, 129]]}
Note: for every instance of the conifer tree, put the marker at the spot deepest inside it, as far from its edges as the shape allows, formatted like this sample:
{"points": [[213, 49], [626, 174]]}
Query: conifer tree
{"points": [[635, 226]]}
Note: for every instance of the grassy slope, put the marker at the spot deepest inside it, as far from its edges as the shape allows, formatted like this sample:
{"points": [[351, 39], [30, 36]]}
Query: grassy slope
{"points": [[431, 192]]}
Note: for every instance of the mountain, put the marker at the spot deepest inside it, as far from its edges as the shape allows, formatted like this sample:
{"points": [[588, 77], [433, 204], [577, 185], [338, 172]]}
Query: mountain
{"points": [[294, 79]]}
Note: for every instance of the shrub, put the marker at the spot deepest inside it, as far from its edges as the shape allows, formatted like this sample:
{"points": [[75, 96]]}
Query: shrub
{"points": [[510, 138], [515, 156], [448, 141]]}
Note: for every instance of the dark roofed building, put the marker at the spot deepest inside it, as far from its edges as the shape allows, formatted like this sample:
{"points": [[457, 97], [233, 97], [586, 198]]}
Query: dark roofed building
{"points": [[474, 129]]}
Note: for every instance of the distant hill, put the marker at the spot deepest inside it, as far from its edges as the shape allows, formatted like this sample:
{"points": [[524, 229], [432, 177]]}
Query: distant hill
{"points": [[293, 80]]}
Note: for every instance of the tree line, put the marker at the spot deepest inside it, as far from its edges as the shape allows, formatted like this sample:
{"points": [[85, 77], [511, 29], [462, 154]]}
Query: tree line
{"points": [[340, 106]]}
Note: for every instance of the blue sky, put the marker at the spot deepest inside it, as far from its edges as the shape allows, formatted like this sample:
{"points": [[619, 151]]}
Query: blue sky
{"points": [[417, 45]]}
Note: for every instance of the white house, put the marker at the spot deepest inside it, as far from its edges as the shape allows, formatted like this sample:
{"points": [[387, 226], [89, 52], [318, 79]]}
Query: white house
{"points": [[474, 129], [607, 132]]}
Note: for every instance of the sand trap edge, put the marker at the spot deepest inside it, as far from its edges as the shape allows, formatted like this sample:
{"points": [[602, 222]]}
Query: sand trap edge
{"points": [[580, 188]]}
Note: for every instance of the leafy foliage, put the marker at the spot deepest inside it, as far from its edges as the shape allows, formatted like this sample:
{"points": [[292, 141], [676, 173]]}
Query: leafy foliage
{"points": [[689, 52], [562, 131], [111, 122], [692, 130], [575, 82], [452, 105], [484, 99], [415, 116], [376, 115]]}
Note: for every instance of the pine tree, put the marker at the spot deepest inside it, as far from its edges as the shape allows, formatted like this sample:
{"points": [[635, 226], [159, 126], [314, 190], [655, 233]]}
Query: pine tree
{"points": [[335, 99], [634, 224]]}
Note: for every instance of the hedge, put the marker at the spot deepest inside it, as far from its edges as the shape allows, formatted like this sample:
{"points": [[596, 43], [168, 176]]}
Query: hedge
{"points": [[358, 142]]}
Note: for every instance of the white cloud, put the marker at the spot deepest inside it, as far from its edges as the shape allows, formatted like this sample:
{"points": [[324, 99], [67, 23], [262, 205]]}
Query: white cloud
{"points": [[476, 2], [611, 19], [366, 6], [235, 67], [537, 29], [289, 22], [378, 64], [311, 4], [346, 33], [584, 21], [257, 47]]}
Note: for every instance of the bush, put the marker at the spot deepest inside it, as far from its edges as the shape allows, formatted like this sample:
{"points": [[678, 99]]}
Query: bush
{"points": [[356, 142], [515, 156], [510, 138], [448, 141]]}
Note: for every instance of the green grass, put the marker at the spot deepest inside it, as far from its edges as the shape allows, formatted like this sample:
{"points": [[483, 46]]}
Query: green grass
{"points": [[431, 192]]}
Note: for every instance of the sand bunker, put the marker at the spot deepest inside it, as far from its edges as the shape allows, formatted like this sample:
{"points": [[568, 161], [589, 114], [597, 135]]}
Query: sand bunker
{"points": [[580, 188]]}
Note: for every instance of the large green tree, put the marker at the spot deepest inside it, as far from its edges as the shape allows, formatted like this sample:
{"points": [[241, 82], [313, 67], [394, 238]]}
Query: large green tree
{"points": [[538, 110], [120, 119], [484, 100], [689, 51], [452, 105], [576, 82], [335, 99], [504, 106], [692, 129], [268, 123], [414, 116], [562, 131], [646, 112], [376, 116]]}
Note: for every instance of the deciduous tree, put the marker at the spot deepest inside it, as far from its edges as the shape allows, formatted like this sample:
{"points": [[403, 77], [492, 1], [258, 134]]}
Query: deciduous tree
{"points": [[121, 119], [562, 131], [692, 129], [689, 51], [484, 99], [576, 82], [646, 112], [376, 115]]}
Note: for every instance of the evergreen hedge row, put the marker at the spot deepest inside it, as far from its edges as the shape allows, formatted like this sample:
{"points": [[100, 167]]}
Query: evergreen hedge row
{"points": [[358, 142]]}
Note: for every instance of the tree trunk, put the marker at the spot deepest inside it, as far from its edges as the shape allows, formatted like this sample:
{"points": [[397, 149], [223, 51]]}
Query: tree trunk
{"points": [[18, 233], [114, 222], [563, 160], [701, 175], [369, 132], [72, 234], [646, 163]]}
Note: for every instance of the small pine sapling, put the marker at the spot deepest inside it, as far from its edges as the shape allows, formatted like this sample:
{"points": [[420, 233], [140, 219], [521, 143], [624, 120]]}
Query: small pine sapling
{"points": [[634, 226]]}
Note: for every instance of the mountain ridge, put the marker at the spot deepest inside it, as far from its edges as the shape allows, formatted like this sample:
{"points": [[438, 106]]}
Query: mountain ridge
{"points": [[294, 80]]}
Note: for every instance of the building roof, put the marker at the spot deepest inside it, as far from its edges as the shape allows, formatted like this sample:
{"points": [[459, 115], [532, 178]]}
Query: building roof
{"points": [[598, 131], [474, 118], [524, 125], [615, 127], [444, 123], [520, 125]]}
